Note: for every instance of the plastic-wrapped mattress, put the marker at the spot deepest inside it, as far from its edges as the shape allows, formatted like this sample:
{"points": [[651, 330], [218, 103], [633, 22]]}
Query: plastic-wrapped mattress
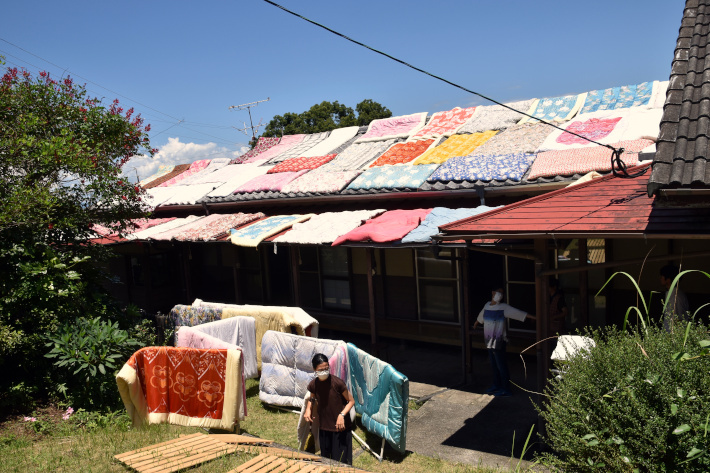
{"points": [[286, 367]]}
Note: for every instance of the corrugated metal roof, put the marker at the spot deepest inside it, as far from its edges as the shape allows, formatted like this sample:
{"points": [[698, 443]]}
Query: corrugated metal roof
{"points": [[683, 143], [602, 206]]}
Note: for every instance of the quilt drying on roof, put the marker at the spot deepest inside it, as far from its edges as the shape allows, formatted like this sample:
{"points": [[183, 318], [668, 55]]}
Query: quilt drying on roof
{"points": [[190, 316], [320, 182], [393, 177], [163, 169], [300, 164], [326, 227], [202, 176], [308, 142], [495, 117], [194, 168], [255, 233], [177, 170], [337, 138], [286, 367], [168, 234], [268, 182], [394, 127], [182, 386], [584, 160], [287, 142], [163, 231], [381, 397], [525, 138], [390, 226], [444, 123], [238, 331], [214, 225], [555, 109], [457, 145], [189, 194], [484, 168], [264, 143], [235, 176], [358, 156], [440, 216], [626, 96], [401, 153]]}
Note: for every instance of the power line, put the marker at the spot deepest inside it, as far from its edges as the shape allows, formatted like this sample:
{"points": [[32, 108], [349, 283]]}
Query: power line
{"points": [[179, 120], [616, 152]]}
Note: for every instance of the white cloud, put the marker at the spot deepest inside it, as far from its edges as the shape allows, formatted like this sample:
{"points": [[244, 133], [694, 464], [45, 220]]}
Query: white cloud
{"points": [[174, 152]]}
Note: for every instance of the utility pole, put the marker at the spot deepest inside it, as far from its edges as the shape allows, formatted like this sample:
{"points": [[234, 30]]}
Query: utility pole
{"points": [[248, 107]]}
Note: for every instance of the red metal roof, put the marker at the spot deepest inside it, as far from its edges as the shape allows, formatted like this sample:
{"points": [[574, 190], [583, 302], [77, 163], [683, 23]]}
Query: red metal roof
{"points": [[608, 205]]}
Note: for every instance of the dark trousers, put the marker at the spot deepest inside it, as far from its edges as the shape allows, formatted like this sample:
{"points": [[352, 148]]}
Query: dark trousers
{"points": [[499, 364], [337, 446]]}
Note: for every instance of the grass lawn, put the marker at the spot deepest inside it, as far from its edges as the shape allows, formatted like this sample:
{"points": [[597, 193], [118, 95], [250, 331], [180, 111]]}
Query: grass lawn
{"points": [[88, 445]]}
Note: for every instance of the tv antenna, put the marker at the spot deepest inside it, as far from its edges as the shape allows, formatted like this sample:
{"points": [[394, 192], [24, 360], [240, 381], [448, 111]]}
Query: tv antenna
{"points": [[248, 107]]}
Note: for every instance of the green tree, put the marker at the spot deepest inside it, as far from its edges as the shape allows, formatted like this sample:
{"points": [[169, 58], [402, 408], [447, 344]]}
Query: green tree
{"points": [[326, 116], [61, 154]]}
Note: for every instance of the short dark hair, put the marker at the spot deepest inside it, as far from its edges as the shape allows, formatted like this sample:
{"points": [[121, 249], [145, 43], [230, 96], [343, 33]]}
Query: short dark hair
{"points": [[495, 287], [318, 359], [669, 271]]}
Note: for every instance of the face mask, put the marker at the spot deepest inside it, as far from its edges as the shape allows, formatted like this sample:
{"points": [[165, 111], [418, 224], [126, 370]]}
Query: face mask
{"points": [[498, 296], [323, 375]]}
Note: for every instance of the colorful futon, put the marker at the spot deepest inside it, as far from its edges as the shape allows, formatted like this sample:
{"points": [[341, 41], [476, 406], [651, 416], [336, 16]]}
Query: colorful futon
{"points": [[394, 127], [390, 226], [264, 143], [393, 177], [457, 145], [182, 386], [286, 367], [483, 168], [326, 227], [440, 216], [320, 182], [495, 117], [381, 396], [358, 156], [255, 233], [555, 109], [444, 123], [300, 164], [215, 225], [401, 153]]}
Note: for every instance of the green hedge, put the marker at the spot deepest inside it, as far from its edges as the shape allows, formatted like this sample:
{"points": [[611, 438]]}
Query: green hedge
{"points": [[638, 401]]}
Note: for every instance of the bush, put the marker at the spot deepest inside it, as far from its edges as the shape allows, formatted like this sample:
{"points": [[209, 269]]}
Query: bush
{"points": [[638, 401], [88, 353]]}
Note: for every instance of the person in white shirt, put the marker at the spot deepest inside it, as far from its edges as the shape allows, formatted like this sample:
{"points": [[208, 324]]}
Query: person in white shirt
{"points": [[492, 317]]}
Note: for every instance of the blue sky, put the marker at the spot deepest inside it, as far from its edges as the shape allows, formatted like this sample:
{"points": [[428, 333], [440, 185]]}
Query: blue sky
{"points": [[186, 61]]}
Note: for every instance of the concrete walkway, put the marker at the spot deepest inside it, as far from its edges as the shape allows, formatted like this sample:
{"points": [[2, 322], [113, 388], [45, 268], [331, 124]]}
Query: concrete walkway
{"points": [[458, 422]]}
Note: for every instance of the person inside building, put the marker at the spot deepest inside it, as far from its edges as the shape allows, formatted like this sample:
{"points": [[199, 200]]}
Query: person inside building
{"points": [[333, 402], [557, 307], [495, 334], [677, 307]]}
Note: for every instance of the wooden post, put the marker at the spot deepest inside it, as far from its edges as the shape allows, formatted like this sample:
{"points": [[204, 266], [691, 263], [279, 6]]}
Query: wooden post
{"points": [[371, 299], [465, 317], [295, 275], [583, 283], [541, 313], [186, 272]]}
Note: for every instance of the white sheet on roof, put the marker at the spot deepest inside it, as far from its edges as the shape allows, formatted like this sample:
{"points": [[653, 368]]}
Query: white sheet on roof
{"points": [[235, 175], [336, 138], [286, 367], [163, 227], [200, 177], [157, 195], [326, 227], [189, 194]]}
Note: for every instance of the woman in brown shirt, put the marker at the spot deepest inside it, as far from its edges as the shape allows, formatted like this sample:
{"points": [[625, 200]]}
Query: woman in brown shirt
{"points": [[333, 401]]}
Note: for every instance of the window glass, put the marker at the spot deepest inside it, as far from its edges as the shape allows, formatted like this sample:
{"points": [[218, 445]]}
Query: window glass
{"points": [[336, 294], [137, 271], [438, 300], [431, 267], [308, 258], [334, 261]]}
